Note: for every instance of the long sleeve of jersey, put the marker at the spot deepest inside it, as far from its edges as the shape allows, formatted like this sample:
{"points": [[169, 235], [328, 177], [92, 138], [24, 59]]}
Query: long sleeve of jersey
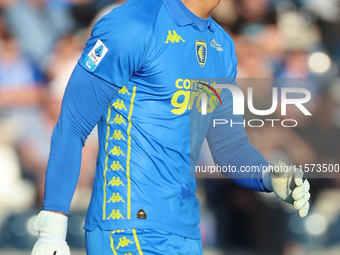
{"points": [[230, 146], [106, 64], [84, 102]]}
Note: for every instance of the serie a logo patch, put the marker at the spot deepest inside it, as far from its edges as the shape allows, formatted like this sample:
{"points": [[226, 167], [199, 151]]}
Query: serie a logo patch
{"points": [[96, 55]]}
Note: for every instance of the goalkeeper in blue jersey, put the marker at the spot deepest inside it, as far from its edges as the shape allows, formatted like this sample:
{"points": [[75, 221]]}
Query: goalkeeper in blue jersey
{"points": [[134, 80]]}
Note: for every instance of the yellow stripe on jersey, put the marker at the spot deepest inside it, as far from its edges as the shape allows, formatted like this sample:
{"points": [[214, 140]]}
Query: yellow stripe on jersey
{"points": [[112, 245], [137, 242], [106, 159], [129, 155]]}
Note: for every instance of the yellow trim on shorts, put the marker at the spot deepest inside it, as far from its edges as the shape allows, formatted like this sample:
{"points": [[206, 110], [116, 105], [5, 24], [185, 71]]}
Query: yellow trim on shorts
{"points": [[112, 245], [137, 242]]}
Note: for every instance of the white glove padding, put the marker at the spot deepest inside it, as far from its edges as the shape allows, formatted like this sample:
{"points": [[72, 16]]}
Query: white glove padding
{"points": [[288, 185], [52, 229]]}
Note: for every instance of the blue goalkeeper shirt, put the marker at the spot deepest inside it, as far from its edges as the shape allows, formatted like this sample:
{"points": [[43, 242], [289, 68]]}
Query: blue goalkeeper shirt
{"points": [[154, 52]]}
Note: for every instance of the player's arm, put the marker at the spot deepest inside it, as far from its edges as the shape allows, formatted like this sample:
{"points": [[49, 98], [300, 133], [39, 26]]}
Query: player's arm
{"points": [[230, 146], [229, 143], [86, 98], [112, 55]]}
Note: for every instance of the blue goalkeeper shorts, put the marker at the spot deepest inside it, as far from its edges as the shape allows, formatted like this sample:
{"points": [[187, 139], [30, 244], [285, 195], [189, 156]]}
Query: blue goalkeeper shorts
{"points": [[139, 242]]}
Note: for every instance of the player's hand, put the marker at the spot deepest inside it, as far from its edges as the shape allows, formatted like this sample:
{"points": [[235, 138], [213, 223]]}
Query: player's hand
{"points": [[288, 184], [52, 228]]}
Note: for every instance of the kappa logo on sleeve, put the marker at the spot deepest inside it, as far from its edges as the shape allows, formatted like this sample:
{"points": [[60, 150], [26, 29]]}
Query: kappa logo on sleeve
{"points": [[96, 55]]}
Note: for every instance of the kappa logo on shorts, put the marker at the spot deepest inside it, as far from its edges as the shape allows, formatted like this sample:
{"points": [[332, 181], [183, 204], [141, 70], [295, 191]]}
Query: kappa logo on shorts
{"points": [[96, 55]]}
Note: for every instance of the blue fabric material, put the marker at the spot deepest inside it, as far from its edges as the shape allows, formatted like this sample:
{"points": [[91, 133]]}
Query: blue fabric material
{"points": [[140, 241], [230, 146], [151, 131], [201, 23], [85, 99], [182, 16]]}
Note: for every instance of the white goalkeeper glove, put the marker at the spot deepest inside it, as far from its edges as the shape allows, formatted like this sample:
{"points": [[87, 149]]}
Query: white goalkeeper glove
{"points": [[52, 229], [287, 183]]}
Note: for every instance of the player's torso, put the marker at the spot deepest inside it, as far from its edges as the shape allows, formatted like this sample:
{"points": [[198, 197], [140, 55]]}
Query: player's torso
{"points": [[143, 167]]}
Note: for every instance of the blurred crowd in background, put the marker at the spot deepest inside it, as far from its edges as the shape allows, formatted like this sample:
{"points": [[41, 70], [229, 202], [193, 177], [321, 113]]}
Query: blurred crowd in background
{"points": [[40, 43]]}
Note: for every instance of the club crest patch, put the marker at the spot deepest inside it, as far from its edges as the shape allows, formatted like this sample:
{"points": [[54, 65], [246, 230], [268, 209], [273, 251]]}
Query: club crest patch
{"points": [[201, 52]]}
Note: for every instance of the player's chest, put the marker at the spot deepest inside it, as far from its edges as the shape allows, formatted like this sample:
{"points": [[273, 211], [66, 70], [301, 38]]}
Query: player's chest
{"points": [[178, 62], [188, 53], [184, 54]]}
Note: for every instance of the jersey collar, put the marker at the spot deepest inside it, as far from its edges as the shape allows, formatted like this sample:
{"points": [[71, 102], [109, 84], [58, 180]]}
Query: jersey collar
{"points": [[180, 17]]}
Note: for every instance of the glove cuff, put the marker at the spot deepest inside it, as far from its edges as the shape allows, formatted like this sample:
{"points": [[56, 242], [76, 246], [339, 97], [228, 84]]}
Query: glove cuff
{"points": [[266, 178], [51, 223]]}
